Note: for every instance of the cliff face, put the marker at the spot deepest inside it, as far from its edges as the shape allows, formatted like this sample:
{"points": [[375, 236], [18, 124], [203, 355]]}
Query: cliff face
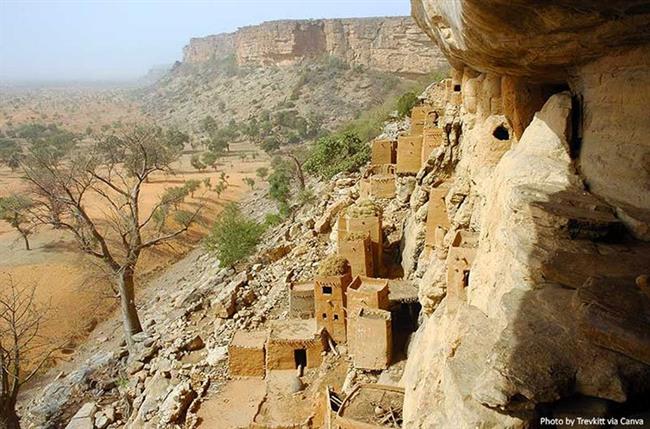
{"points": [[202, 49], [546, 165], [394, 44]]}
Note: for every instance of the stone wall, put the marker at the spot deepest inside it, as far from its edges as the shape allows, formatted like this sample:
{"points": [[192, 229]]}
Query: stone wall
{"points": [[391, 44]]}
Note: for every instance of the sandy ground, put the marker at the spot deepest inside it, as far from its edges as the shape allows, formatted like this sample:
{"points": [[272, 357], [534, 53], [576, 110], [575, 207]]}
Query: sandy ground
{"points": [[234, 406], [74, 109], [75, 286]]}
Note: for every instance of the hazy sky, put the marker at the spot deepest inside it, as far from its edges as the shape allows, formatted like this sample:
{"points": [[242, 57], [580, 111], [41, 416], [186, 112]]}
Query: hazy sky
{"points": [[122, 39]]}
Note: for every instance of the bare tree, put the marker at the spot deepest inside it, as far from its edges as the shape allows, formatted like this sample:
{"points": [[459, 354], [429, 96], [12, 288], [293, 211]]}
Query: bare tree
{"points": [[22, 351], [113, 169]]}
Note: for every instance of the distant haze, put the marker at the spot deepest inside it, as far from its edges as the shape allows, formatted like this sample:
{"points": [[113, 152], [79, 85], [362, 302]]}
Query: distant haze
{"points": [[121, 40]]}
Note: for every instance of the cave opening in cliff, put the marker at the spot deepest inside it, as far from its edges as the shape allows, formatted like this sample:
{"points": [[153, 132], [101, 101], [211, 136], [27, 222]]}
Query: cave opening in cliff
{"points": [[501, 133], [574, 136]]}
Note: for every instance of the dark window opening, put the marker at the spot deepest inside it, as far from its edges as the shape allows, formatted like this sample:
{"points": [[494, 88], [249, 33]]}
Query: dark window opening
{"points": [[300, 357], [324, 315], [404, 323], [501, 133], [575, 141], [327, 290], [465, 278], [457, 88], [336, 317]]}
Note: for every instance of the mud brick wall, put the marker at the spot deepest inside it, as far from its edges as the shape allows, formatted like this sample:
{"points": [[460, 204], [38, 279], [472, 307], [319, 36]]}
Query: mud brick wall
{"points": [[409, 154]]}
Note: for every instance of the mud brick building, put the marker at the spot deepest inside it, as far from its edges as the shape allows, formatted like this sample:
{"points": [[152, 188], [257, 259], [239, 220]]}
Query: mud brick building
{"points": [[368, 292], [431, 138], [301, 300], [378, 181], [294, 343], [369, 324], [357, 249], [437, 218], [419, 118], [373, 345], [364, 218], [330, 303], [383, 152], [409, 154]]}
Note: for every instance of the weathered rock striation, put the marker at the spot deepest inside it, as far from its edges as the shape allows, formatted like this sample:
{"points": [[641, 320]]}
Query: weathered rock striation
{"points": [[547, 165], [392, 44]]}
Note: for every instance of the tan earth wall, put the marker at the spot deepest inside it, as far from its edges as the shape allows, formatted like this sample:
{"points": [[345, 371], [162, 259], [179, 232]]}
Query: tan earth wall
{"points": [[301, 304], [370, 225], [383, 152], [371, 299], [330, 309], [373, 343], [246, 362], [431, 139], [436, 214], [280, 354], [409, 154], [359, 256]]}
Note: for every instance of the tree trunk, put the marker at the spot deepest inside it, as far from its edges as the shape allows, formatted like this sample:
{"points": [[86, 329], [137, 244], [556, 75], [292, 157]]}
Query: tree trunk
{"points": [[24, 234], [26, 242], [299, 172], [130, 319], [8, 417]]}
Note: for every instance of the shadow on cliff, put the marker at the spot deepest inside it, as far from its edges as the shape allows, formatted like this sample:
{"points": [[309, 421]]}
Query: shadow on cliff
{"points": [[579, 343]]}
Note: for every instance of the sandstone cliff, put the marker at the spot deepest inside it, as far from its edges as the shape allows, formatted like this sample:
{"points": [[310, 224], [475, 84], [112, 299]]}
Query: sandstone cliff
{"points": [[392, 44], [546, 165]]}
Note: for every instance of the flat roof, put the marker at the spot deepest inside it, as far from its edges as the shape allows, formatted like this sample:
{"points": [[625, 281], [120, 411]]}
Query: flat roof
{"points": [[402, 291], [368, 283], [373, 313], [305, 286], [249, 339], [293, 329]]}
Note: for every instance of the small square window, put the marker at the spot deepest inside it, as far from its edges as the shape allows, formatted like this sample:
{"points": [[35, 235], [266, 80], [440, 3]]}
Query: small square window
{"points": [[336, 317], [327, 290], [324, 315]]}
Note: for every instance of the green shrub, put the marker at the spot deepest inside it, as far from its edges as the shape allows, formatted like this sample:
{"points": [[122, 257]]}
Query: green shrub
{"points": [[279, 185], [306, 197], [262, 172], [337, 153], [405, 104], [273, 219], [233, 236]]}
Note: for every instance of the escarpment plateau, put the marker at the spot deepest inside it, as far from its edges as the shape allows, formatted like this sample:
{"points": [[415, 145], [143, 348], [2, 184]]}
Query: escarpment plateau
{"points": [[390, 44]]}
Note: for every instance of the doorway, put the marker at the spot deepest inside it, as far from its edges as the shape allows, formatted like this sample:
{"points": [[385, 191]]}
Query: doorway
{"points": [[300, 358]]}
